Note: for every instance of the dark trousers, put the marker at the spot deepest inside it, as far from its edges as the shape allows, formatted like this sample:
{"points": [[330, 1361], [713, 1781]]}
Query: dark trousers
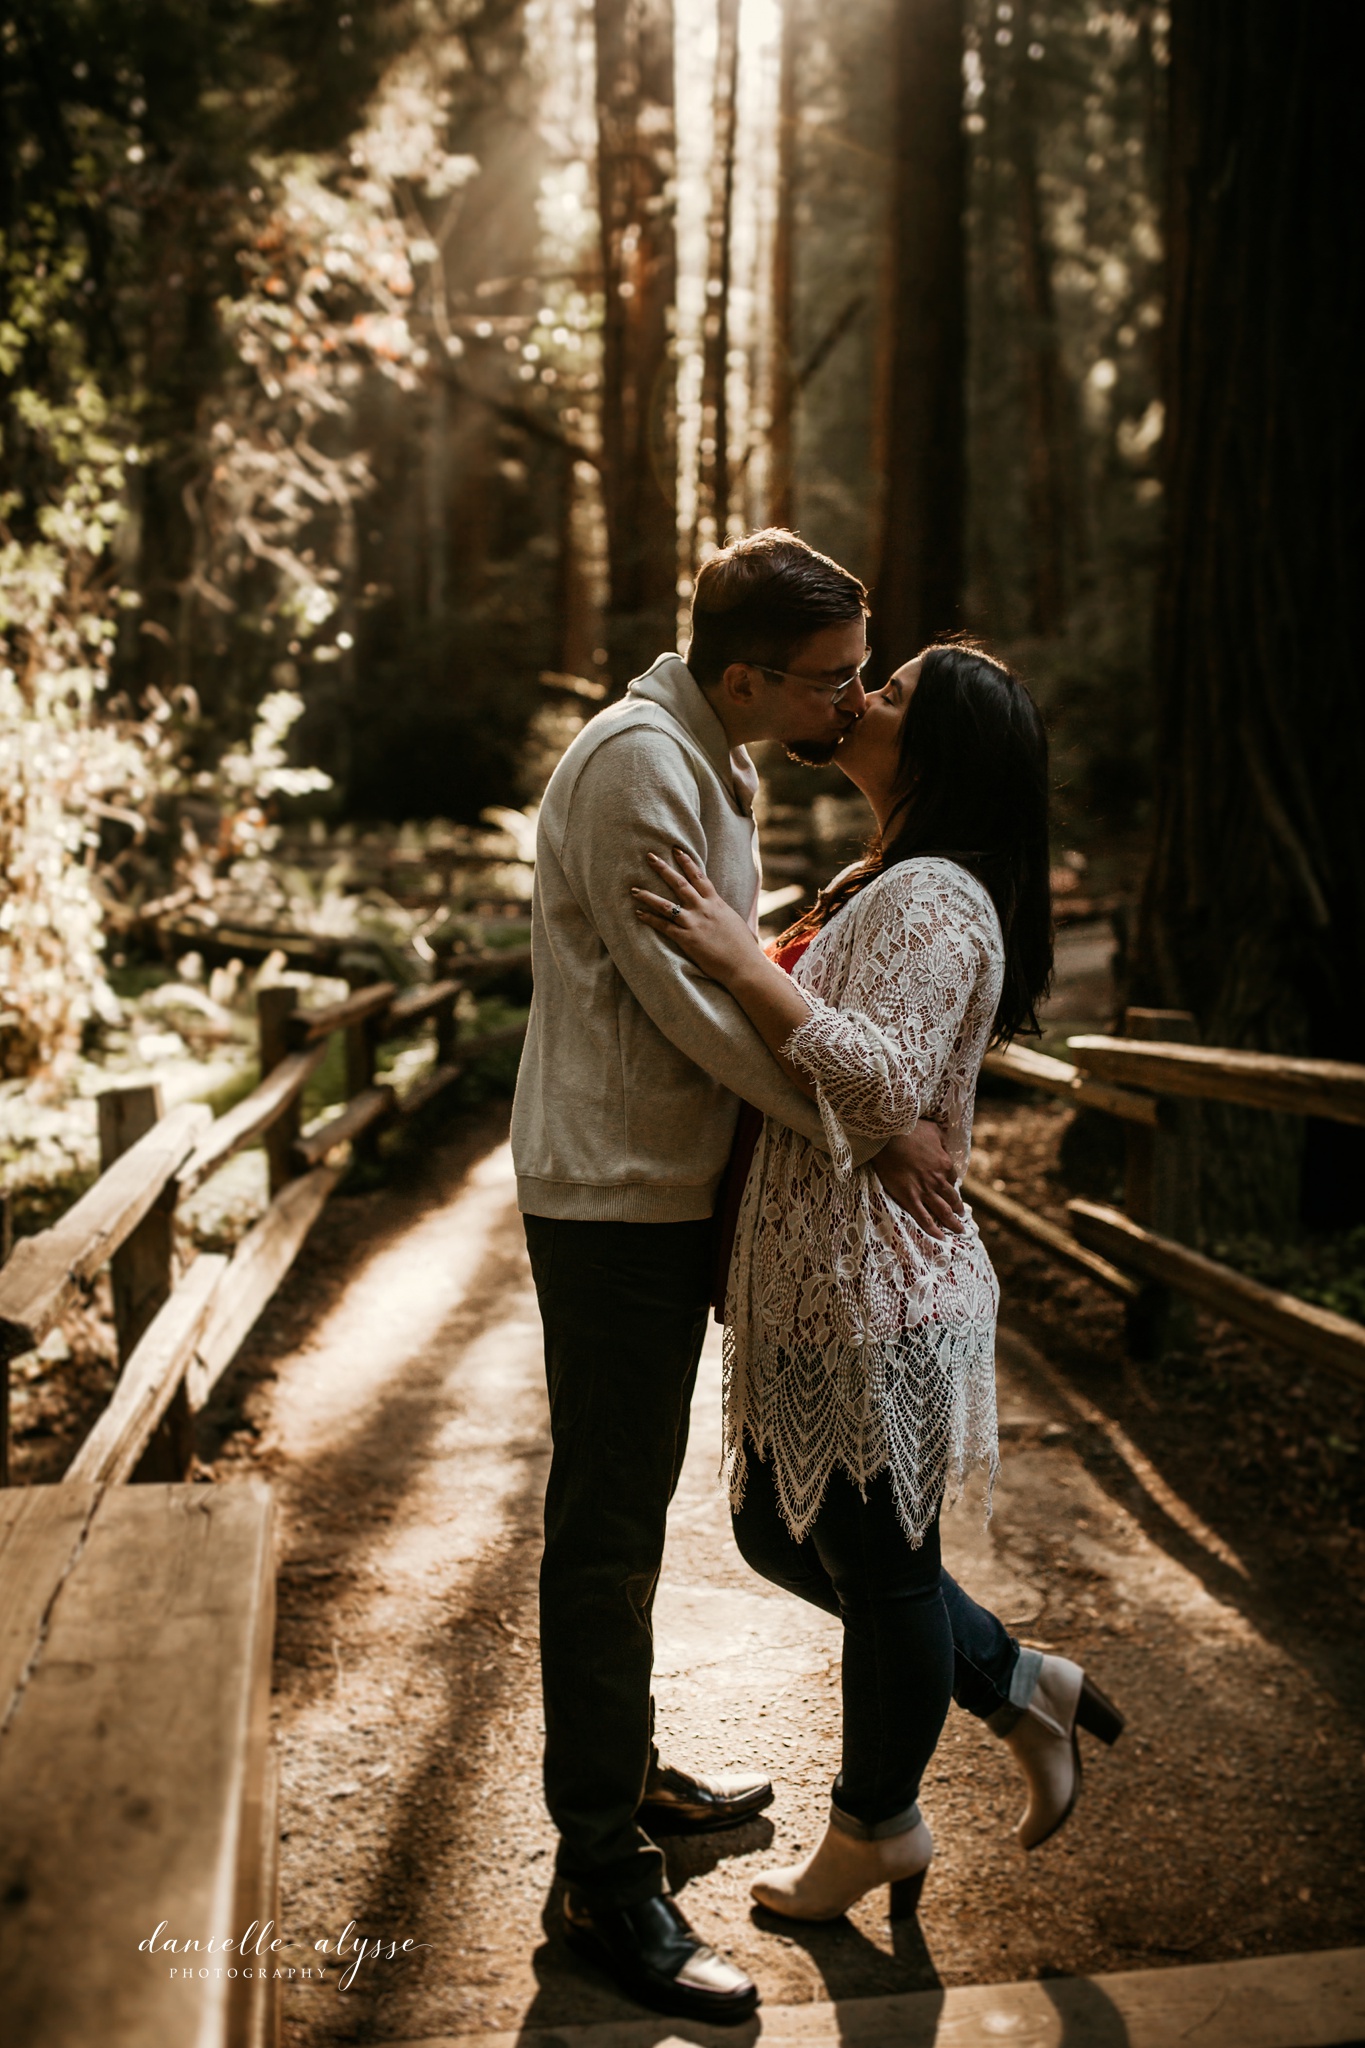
{"points": [[913, 1639], [624, 1308]]}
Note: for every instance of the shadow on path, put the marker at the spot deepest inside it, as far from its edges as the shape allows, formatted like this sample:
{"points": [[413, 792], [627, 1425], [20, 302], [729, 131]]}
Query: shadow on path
{"points": [[411, 1488], [1182, 1518]]}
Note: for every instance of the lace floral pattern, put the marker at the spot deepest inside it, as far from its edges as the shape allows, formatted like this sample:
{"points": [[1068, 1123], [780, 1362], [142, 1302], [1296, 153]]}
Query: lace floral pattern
{"points": [[852, 1339]]}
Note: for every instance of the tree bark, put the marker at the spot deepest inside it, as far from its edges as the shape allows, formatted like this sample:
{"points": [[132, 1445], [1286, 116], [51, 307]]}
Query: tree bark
{"points": [[782, 433], [1253, 914], [713, 467], [1048, 513], [919, 581], [635, 114]]}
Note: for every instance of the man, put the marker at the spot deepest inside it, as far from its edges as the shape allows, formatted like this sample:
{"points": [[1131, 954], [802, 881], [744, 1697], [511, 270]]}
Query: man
{"points": [[625, 1110]]}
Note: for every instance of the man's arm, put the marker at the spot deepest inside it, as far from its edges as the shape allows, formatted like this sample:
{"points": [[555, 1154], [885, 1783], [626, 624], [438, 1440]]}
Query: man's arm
{"points": [[637, 795]]}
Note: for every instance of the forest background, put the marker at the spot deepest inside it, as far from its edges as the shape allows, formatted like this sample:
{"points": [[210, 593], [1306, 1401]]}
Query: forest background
{"points": [[372, 381]]}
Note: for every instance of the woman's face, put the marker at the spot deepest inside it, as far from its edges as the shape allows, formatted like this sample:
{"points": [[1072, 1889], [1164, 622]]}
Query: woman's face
{"points": [[870, 754]]}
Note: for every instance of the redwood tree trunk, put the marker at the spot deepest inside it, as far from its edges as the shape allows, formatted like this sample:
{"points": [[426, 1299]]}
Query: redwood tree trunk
{"points": [[781, 435], [919, 581], [639, 269], [1254, 908], [713, 468], [1049, 520]]}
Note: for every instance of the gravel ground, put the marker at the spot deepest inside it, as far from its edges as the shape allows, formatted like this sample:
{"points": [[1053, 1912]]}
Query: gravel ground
{"points": [[393, 1394]]}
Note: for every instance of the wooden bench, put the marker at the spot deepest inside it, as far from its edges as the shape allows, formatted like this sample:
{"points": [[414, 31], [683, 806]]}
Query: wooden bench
{"points": [[1306, 2001], [137, 1783]]}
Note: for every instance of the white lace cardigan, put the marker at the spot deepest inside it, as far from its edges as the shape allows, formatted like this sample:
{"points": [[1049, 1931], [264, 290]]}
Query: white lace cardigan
{"points": [[852, 1338]]}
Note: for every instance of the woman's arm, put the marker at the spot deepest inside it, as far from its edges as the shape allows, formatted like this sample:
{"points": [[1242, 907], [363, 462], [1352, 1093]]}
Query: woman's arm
{"points": [[914, 1168], [880, 1058], [877, 1059], [718, 940]]}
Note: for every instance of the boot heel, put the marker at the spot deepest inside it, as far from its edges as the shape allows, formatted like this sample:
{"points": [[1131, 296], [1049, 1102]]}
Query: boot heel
{"points": [[905, 1895], [1097, 1714]]}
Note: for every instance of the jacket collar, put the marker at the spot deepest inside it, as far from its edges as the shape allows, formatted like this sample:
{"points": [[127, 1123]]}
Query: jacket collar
{"points": [[670, 682]]}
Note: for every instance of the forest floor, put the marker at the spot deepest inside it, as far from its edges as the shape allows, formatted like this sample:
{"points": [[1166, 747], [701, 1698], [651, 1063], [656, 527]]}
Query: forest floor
{"points": [[1183, 1530], [394, 1397]]}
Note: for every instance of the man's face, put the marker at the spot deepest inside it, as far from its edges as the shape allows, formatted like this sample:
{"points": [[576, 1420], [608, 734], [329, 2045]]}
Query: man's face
{"points": [[797, 706]]}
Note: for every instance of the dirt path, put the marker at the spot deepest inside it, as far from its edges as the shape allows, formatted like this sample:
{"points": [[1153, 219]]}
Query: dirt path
{"points": [[394, 1395]]}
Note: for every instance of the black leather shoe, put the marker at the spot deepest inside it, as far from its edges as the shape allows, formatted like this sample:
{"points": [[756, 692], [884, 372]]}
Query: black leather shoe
{"points": [[676, 1803], [654, 1955]]}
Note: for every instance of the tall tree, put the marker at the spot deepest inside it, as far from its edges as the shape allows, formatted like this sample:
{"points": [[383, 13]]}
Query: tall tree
{"points": [[781, 436], [635, 170], [1254, 909], [713, 468], [1049, 456], [919, 579]]}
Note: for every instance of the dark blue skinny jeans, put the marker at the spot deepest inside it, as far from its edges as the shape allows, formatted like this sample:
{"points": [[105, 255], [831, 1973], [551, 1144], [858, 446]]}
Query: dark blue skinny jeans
{"points": [[913, 1639]]}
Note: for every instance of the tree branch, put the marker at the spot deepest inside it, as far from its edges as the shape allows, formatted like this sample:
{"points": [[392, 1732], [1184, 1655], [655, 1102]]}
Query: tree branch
{"points": [[525, 416]]}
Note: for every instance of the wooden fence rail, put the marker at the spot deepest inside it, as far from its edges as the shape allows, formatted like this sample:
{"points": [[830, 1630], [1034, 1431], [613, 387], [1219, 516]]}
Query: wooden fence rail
{"points": [[1259, 1080], [1144, 1255], [1056, 1077], [44, 1272], [1317, 1333], [1050, 1236], [177, 1338]]}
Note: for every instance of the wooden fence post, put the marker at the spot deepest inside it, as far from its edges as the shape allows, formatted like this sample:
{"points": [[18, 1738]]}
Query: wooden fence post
{"points": [[360, 1062], [141, 1269], [445, 1032], [142, 1272], [274, 1007], [1161, 1191]]}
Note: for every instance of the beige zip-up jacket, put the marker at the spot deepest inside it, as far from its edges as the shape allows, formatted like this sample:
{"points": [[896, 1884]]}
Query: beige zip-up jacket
{"points": [[634, 1062]]}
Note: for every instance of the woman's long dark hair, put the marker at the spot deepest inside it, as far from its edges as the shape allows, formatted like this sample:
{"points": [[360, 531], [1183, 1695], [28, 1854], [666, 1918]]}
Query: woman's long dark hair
{"points": [[973, 788]]}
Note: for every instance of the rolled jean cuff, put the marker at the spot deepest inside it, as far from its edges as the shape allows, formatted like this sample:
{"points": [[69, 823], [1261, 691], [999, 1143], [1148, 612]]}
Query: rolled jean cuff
{"points": [[1023, 1683], [874, 1830]]}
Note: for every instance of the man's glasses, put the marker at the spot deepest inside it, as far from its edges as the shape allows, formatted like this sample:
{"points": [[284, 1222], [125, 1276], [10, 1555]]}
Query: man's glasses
{"points": [[834, 690]]}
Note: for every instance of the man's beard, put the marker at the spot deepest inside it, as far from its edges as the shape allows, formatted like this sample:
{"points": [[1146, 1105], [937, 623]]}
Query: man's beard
{"points": [[812, 753]]}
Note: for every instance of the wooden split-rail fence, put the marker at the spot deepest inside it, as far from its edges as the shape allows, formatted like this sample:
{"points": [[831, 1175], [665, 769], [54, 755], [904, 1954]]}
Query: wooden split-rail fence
{"points": [[176, 1337], [1143, 1252], [137, 1774]]}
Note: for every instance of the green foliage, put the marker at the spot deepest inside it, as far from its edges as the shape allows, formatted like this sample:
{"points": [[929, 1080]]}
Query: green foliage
{"points": [[307, 245], [494, 1074], [229, 245], [74, 759], [1326, 1269], [64, 764]]}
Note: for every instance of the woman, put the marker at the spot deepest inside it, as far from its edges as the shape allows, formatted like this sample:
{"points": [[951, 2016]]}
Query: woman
{"points": [[860, 1379]]}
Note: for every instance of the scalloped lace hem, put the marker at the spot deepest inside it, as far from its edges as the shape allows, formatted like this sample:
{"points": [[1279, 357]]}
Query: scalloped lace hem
{"points": [[921, 1406]]}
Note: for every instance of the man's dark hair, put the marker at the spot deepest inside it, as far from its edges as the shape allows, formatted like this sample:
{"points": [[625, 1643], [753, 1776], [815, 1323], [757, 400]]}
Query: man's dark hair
{"points": [[758, 599]]}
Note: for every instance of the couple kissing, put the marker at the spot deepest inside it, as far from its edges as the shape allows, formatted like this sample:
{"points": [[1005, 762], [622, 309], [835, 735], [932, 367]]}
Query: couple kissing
{"points": [[783, 1132]]}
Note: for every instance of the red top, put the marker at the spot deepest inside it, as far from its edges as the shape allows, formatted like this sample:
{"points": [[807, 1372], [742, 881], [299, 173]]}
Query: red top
{"points": [[792, 952]]}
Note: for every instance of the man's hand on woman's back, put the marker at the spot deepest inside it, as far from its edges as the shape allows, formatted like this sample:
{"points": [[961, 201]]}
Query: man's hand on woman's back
{"points": [[918, 1174]]}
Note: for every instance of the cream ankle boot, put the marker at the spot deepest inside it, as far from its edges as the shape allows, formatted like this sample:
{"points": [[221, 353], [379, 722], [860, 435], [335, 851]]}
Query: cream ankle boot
{"points": [[850, 1862], [1046, 1746]]}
